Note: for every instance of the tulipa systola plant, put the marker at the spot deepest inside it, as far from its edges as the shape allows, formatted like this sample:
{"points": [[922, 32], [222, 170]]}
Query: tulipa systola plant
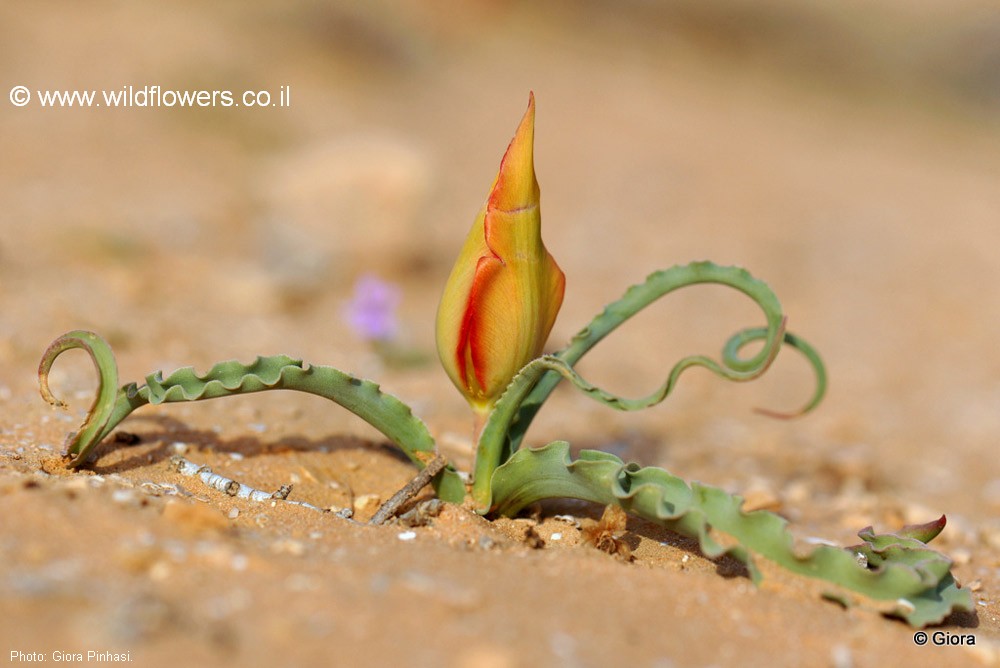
{"points": [[498, 307]]}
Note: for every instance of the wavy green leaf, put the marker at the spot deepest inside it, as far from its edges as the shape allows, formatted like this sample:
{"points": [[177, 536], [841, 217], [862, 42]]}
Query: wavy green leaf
{"points": [[362, 397], [505, 428], [901, 571], [660, 284]]}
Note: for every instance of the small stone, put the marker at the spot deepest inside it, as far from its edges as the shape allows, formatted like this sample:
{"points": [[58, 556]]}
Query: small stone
{"points": [[179, 448], [367, 503], [233, 513], [841, 657], [123, 496], [407, 535], [556, 536], [422, 514]]}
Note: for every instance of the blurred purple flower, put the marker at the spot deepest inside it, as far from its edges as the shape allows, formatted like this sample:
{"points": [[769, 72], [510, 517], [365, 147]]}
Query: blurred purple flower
{"points": [[371, 313]]}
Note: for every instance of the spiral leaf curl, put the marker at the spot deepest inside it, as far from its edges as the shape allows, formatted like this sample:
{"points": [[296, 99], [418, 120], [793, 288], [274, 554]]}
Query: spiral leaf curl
{"points": [[509, 421], [362, 397]]}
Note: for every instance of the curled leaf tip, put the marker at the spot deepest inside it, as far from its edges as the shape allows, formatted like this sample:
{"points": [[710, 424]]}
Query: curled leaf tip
{"points": [[79, 443], [925, 532]]}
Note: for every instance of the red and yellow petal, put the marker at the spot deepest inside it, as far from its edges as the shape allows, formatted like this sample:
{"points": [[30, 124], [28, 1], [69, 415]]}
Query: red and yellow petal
{"points": [[505, 290]]}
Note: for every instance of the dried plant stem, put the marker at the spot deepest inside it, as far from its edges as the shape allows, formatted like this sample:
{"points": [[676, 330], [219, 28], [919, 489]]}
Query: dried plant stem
{"points": [[231, 487], [409, 490]]}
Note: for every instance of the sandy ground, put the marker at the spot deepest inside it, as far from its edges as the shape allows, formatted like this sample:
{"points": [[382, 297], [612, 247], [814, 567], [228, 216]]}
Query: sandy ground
{"points": [[855, 169]]}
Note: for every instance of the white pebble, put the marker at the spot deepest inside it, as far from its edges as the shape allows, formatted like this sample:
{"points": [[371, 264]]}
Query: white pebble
{"points": [[366, 502], [407, 535], [233, 513], [122, 496], [556, 536]]}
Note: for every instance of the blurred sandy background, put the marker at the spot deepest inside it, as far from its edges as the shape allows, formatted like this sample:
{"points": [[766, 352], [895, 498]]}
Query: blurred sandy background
{"points": [[848, 153]]}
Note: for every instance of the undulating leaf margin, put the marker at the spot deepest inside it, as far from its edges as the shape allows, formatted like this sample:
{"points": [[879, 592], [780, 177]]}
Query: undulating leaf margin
{"points": [[362, 397], [897, 569]]}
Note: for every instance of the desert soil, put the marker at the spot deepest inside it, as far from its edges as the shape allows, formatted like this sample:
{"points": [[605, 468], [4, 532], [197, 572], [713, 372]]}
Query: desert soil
{"points": [[863, 190]]}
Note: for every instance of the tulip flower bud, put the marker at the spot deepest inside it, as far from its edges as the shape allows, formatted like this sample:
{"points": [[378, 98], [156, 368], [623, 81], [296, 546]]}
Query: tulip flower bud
{"points": [[505, 290]]}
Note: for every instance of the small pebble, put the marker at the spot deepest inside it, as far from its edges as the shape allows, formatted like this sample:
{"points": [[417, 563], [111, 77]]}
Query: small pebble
{"points": [[556, 536], [367, 502], [233, 513], [179, 448], [123, 496], [841, 657], [236, 456], [407, 535]]}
